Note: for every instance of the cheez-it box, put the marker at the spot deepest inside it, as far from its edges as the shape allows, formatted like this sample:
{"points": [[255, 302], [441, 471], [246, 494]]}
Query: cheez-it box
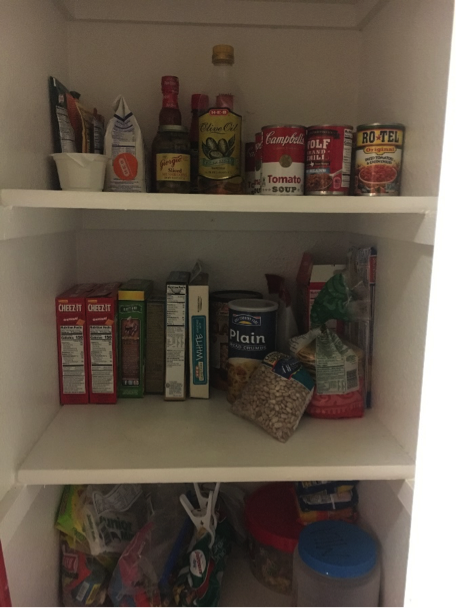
{"points": [[101, 311], [70, 308]]}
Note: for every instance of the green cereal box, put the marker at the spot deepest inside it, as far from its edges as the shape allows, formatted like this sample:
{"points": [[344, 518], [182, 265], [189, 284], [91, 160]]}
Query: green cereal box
{"points": [[132, 316]]}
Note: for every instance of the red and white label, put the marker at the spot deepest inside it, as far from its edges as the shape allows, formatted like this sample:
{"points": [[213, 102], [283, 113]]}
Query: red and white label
{"points": [[328, 159], [283, 160]]}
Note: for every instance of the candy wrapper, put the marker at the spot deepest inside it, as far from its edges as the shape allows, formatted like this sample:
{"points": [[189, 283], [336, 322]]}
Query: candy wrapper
{"points": [[84, 580]]}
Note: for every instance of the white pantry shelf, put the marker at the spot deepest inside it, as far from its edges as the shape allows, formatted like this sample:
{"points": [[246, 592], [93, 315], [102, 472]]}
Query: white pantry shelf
{"points": [[54, 199], [150, 440]]}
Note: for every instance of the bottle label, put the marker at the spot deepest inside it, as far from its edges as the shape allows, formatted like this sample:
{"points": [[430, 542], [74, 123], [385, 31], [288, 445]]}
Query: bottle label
{"points": [[220, 144], [173, 167]]}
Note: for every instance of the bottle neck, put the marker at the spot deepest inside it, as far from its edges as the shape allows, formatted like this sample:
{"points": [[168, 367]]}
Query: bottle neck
{"points": [[170, 100]]}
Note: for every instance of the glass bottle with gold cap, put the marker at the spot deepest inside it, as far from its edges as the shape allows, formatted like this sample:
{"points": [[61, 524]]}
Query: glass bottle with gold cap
{"points": [[220, 129]]}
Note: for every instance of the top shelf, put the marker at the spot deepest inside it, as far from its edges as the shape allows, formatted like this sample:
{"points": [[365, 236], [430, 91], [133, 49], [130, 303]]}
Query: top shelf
{"points": [[325, 14], [53, 199]]}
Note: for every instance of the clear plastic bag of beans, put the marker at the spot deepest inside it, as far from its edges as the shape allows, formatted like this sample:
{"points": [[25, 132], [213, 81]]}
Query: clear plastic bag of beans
{"points": [[276, 395]]}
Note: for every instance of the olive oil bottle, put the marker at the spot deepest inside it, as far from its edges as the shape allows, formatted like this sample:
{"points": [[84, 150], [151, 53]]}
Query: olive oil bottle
{"points": [[220, 129]]}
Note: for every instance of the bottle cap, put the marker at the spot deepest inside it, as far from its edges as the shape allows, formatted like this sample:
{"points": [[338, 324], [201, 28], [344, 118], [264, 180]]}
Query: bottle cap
{"points": [[225, 101], [170, 84], [200, 101], [223, 53]]}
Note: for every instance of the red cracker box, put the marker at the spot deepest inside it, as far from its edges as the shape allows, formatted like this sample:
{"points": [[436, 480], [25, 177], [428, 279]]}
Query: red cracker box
{"points": [[101, 311], [70, 308]]}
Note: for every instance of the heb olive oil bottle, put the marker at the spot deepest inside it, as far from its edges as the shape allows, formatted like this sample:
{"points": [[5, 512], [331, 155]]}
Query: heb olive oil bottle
{"points": [[220, 129]]}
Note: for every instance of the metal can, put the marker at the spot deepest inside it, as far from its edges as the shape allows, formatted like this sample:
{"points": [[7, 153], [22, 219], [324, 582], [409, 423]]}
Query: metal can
{"points": [[253, 326], [328, 159], [258, 161], [249, 160], [284, 155], [218, 335], [378, 164]]}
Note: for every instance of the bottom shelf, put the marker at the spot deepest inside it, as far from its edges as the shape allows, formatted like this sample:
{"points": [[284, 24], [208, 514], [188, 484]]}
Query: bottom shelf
{"points": [[150, 440], [241, 588]]}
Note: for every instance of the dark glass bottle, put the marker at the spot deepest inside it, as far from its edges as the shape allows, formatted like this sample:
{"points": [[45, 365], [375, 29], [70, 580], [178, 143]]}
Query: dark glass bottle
{"points": [[200, 104]]}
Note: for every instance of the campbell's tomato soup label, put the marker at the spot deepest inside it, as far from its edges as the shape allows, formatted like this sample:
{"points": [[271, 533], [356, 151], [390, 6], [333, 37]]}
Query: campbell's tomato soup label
{"points": [[328, 159], [220, 144], [378, 160], [283, 160], [258, 160], [250, 167], [173, 167]]}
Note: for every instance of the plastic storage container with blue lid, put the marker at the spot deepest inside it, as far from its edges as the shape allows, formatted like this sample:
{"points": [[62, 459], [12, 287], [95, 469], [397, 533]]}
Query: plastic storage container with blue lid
{"points": [[335, 564]]}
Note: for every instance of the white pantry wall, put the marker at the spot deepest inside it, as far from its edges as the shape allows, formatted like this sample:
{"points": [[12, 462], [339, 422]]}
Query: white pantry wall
{"points": [[287, 76], [404, 56], [33, 271], [33, 46]]}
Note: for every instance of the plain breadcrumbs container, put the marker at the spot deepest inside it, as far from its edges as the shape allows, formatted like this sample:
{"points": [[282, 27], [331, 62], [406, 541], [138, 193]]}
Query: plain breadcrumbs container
{"points": [[273, 531], [335, 564]]}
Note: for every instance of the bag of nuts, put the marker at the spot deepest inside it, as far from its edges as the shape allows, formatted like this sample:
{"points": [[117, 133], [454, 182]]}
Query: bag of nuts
{"points": [[276, 395]]}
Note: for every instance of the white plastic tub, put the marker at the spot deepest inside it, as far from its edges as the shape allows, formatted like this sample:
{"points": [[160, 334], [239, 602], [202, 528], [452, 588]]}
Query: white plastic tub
{"points": [[84, 172], [335, 564]]}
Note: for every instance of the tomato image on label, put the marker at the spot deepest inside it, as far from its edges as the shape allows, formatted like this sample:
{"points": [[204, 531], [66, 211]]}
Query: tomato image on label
{"points": [[125, 166]]}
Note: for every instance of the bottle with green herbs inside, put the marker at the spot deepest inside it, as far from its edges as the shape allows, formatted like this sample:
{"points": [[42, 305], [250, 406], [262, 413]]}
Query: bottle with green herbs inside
{"points": [[220, 129]]}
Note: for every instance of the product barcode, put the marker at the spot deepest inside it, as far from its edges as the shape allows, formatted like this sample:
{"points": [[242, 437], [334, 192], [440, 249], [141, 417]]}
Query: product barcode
{"points": [[352, 379], [82, 592]]}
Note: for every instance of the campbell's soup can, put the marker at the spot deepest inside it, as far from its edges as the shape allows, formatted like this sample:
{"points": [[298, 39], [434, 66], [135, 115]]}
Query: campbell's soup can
{"points": [[284, 156], [258, 161], [378, 159], [253, 328], [219, 332], [328, 159], [249, 174]]}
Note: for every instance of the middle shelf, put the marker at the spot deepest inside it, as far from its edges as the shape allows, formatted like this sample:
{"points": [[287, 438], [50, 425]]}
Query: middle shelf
{"points": [[156, 441]]}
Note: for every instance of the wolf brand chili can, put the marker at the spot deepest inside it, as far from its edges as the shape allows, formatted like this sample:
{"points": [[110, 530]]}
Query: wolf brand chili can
{"points": [[284, 156], [378, 163], [218, 334], [252, 325], [250, 168], [328, 159], [258, 161]]}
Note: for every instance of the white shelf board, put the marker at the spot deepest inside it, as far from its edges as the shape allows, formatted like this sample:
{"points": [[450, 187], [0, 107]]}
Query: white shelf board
{"points": [[215, 203], [151, 440], [326, 14]]}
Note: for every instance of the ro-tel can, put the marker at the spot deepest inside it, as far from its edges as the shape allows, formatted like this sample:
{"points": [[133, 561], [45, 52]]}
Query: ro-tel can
{"points": [[218, 333], [328, 159], [378, 164], [258, 160], [249, 177], [253, 325], [284, 156]]}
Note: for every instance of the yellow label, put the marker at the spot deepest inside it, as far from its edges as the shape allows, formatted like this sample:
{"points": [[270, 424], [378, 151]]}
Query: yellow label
{"points": [[173, 167], [219, 148], [380, 137]]}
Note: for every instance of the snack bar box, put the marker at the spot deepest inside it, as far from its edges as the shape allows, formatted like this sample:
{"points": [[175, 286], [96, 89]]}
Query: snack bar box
{"points": [[198, 326], [72, 343], [155, 344], [101, 313], [176, 336], [132, 315]]}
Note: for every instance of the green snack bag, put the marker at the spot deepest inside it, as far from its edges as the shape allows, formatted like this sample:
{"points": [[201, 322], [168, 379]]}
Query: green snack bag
{"points": [[70, 519], [199, 581]]}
